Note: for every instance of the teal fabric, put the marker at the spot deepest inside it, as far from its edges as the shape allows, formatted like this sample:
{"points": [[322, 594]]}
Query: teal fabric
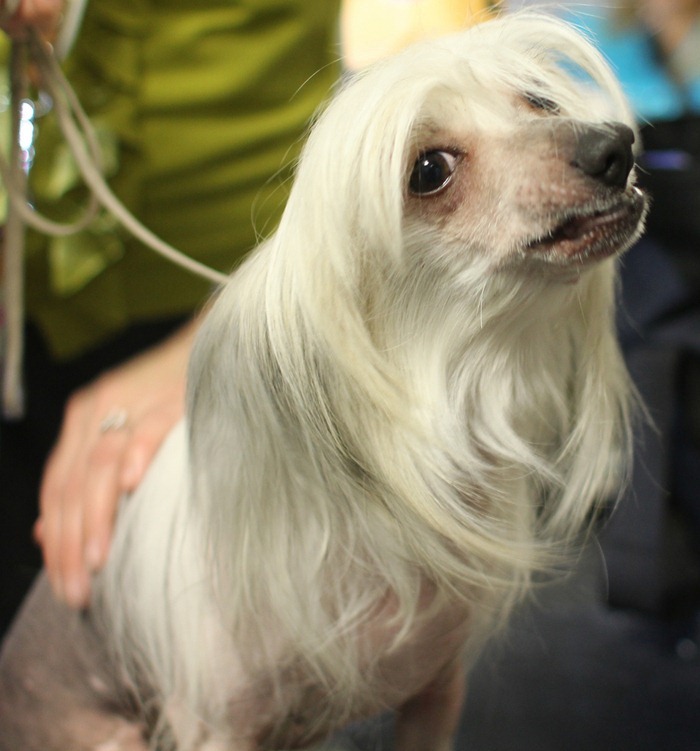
{"points": [[629, 49]]}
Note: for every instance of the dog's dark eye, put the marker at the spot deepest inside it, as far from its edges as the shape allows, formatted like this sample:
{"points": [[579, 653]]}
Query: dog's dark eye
{"points": [[432, 172], [539, 102]]}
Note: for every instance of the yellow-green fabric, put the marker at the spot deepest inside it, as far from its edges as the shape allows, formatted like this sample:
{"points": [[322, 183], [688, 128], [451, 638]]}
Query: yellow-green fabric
{"points": [[199, 106]]}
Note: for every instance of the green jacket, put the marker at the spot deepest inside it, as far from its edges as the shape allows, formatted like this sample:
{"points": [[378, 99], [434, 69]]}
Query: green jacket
{"points": [[201, 108]]}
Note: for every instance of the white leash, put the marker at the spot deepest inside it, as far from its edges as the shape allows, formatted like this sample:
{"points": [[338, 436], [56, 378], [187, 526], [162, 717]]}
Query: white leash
{"points": [[82, 142], [13, 248]]}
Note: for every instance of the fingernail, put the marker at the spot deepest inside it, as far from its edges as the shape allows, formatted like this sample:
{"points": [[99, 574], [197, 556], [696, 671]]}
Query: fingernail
{"points": [[94, 556], [75, 591], [132, 473]]}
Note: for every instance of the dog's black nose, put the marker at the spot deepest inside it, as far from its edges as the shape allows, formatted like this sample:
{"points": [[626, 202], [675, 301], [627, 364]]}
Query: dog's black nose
{"points": [[605, 153]]}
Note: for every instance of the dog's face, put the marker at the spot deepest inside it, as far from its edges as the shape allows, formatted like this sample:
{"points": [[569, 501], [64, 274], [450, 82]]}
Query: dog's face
{"points": [[536, 189]]}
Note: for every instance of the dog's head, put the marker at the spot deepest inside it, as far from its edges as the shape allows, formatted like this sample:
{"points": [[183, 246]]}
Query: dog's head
{"points": [[506, 145]]}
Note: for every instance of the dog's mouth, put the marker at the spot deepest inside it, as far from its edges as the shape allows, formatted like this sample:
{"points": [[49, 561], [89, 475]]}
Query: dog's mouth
{"points": [[593, 232]]}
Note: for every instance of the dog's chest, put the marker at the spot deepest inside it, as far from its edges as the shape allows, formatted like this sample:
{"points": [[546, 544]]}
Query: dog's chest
{"points": [[300, 710]]}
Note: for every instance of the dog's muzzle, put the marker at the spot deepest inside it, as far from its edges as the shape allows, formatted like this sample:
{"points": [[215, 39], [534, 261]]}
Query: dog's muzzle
{"points": [[596, 211]]}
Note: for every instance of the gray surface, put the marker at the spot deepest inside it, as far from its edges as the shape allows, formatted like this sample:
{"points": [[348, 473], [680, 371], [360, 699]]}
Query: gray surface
{"points": [[575, 675]]}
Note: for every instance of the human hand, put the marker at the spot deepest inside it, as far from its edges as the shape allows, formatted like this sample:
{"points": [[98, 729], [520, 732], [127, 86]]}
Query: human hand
{"points": [[111, 430], [17, 15]]}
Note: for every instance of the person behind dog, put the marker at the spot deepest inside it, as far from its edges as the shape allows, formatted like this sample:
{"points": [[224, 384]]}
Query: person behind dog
{"points": [[197, 107], [654, 47]]}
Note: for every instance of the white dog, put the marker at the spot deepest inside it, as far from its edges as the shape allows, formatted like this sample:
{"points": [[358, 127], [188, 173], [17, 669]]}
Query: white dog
{"points": [[404, 404]]}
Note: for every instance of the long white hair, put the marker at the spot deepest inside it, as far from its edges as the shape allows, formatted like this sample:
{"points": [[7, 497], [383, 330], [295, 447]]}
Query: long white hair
{"points": [[375, 427]]}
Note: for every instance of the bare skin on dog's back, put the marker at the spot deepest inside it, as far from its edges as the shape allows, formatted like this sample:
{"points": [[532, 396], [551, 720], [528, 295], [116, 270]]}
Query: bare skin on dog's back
{"points": [[57, 692]]}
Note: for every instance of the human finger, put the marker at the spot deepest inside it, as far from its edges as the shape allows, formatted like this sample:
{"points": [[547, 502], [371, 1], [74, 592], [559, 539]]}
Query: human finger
{"points": [[59, 504], [16, 16], [147, 437], [102, 493]]}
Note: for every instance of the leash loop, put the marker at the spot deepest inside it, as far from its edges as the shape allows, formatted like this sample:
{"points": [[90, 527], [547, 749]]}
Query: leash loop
{"points": [[84, 146]]}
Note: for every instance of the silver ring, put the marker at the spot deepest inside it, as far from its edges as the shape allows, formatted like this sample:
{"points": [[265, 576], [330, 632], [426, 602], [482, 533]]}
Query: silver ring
{"points": [[115, 419]]}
